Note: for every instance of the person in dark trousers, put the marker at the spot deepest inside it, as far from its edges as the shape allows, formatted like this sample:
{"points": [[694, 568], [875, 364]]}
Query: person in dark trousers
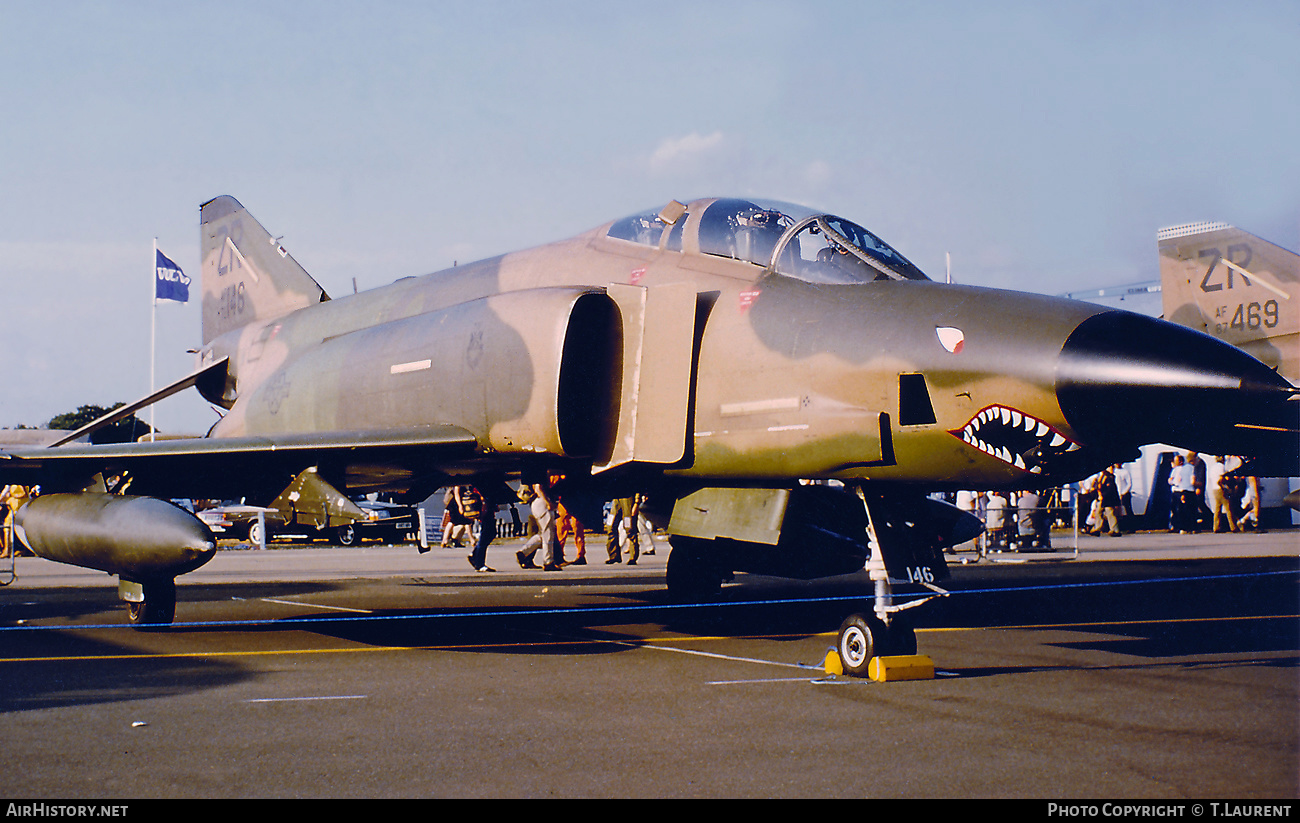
{"points": [[1109, 504], [623, 513], [486, 515]]}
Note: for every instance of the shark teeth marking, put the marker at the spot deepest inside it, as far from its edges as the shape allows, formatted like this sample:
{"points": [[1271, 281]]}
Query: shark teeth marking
{"points": [[1016, 438]]}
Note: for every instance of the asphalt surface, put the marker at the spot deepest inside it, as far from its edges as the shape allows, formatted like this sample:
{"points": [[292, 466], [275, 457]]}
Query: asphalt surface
{"points": [[1149, 666]]}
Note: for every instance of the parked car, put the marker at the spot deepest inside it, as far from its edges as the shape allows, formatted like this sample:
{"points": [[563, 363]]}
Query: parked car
{"points": [[388, 522], [239, 521]]}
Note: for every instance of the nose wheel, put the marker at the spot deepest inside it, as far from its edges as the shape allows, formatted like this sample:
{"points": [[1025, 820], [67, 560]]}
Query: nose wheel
{"points": [[864, 636]]}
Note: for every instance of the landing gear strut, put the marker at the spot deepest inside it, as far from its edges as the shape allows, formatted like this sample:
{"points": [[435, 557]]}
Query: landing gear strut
{"points": [[884, 632]]}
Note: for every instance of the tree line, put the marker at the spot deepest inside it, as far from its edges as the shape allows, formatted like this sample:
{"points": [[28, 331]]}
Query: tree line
{"points": [[127, 430]]}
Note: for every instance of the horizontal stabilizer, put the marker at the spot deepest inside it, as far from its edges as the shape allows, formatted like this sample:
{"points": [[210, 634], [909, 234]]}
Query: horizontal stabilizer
{"points": [[122, 412]]}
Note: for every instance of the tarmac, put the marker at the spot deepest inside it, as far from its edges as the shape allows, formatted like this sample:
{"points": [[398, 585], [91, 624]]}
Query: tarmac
{"points": [[236, 561], [378, 671]]}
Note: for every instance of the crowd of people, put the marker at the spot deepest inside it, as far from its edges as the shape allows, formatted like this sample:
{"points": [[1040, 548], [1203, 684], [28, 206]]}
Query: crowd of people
{"points": [[1013, 521], [1205, 495], [549, 526]]}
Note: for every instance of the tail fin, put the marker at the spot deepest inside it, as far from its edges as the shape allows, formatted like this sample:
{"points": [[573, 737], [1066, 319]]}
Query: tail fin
{"points": [[247, 275], [1231, 284]]}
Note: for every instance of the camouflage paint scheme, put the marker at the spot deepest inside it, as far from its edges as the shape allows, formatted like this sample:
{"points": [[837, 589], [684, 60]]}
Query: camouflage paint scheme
{"points": [[791, 379], [718, 345]]}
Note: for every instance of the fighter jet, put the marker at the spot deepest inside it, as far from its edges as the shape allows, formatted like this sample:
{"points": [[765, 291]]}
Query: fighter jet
{"points": [[727, 357]]}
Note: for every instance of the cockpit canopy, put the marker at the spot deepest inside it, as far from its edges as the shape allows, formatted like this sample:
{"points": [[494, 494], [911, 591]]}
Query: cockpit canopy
{"points": [[789, 239]]}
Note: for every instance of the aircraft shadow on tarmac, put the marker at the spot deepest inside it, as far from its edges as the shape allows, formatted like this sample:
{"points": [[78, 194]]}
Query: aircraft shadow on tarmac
{"points": [[1162, 612], [991, 671], [51, 668], [1153, 610], [573, 629], [80, 671], [1162, 638], [498, 617], [1156, 610]]}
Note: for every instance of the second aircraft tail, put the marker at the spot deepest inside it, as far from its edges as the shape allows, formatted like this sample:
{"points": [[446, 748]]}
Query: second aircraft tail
{"points": [[1238, 287]]}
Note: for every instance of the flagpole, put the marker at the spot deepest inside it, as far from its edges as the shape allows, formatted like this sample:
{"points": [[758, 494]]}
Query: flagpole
{"points": [[153, 330], [178, 290]]}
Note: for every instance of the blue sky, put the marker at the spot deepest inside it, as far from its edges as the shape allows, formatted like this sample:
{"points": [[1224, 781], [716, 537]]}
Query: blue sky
{"points": [[1040, 144]]}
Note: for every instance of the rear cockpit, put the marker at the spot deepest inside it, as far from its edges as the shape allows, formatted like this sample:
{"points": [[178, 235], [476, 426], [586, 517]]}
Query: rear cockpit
{"points": [[791, 240]]}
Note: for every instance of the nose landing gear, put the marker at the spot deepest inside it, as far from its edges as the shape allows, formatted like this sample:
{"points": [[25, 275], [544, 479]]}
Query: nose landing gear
{"points": [[896, 545]]}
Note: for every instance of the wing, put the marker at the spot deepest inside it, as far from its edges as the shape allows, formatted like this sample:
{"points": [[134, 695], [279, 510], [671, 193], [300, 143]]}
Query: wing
{"points": [[254, 467]]}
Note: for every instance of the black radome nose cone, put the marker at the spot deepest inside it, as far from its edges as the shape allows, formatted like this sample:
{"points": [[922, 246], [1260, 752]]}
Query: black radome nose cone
{"points": [[1125, 378]]}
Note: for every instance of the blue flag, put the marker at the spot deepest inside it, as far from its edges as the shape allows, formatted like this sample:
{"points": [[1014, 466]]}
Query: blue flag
{"points": [[170, 282]]}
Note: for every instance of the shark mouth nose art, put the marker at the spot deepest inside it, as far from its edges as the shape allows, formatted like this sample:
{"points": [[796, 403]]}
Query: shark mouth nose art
{"points": [[1015, 438]]}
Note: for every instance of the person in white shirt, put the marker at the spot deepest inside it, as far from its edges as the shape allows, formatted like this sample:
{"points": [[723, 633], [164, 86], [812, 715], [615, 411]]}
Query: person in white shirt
{"points": [[1124, 482], [966, 501], [1182, 484], [995, 519]]}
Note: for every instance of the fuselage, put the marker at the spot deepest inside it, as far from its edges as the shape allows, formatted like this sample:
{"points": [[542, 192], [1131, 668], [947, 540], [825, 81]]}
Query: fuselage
{"points": [[894, 378]]}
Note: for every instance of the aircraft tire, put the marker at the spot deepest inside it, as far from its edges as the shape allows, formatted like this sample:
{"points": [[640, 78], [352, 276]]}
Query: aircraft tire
{"points": [[255, 534], [347, 535], [861, 638], [158, 607], [691, 577]]}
